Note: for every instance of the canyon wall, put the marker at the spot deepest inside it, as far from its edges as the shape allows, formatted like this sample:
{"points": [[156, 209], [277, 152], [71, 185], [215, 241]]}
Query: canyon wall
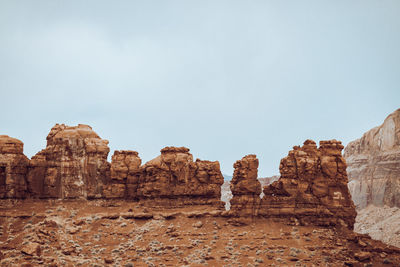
{"points": [[374, 165]]}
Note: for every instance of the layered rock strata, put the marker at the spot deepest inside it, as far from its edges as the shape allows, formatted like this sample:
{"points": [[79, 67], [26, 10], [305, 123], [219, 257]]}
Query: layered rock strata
{"points": [[245, 187], [312, 188], [73, 165], [124, 174], [374, 165], [13, 168], [173, 178]]}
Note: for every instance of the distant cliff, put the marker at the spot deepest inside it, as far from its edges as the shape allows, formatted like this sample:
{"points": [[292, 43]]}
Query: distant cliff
{"points": [[373, 165]]}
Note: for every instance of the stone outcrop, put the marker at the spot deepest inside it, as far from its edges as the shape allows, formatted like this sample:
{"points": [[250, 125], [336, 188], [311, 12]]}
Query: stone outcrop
{"points": [[245, 187], [125, 174], [374, 165], [13, 168], [73, 165], [312, 188], [173, 178]]}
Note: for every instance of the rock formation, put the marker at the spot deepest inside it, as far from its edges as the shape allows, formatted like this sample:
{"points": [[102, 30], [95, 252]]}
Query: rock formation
{"points": [[73, 165], [125, 173], [312, 188], [374, 165], [174, 178], [245, 187], [13, 168]]}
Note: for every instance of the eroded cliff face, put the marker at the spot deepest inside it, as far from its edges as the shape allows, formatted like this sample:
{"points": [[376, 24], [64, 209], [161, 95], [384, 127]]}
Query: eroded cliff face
{"points": [[374, 165], [13, 168], [73, 165], [312, 188]]}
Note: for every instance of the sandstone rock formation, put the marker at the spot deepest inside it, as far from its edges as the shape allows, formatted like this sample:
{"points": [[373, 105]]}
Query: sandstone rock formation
{"points": [[374, 165], [73, 165], [125, 174], [173, 177], [312, 188], [245, 187], [13, 168]]}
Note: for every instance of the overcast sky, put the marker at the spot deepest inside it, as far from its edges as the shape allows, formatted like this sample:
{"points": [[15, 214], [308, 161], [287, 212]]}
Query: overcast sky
{"points": [[224, 78]]}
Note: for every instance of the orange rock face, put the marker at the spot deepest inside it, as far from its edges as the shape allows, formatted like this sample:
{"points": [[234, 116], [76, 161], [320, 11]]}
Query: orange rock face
{"points": [[312, 188], [125, 173], [73, 165], [245, 187], [13, 168], [173, 178]]}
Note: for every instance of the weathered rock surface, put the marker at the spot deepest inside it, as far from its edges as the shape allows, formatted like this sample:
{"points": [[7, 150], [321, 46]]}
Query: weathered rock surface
{"points": [[173, 177], [13, 168], [245, 187], [381, 223], [125, 173], [312, 188], [226, 193], [374, 165], [73, 165]]}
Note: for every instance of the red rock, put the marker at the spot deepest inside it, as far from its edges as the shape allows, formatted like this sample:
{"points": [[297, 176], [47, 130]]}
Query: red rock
{"points": [[174, 179], [73, 165], [245, 187], [312, 188], [13, 168], [125, 173]]}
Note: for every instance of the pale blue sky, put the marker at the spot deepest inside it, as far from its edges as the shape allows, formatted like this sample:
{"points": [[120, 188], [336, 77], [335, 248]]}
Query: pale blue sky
{"points": [[224, 78]]}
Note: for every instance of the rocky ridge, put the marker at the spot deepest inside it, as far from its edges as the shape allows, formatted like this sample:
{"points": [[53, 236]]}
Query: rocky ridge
{"points": [[74, 166]]}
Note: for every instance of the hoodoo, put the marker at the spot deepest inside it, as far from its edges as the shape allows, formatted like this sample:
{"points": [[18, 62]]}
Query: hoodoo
{"points": [[312, 188]]}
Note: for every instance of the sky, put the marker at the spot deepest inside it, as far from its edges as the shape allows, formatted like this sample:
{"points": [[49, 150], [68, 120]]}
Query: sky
{"points": [[223, 78]]}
